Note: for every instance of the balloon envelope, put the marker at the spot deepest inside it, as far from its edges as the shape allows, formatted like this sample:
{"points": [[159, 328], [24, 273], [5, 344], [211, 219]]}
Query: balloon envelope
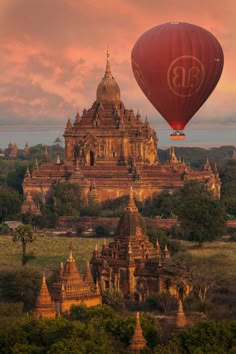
{"points": [[177, 66]]}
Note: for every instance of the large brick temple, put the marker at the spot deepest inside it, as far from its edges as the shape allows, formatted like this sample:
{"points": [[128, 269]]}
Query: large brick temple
{"points": [[110, 148]]}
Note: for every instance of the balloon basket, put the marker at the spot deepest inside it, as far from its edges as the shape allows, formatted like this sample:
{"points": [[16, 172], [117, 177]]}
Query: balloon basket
{"points": [[177, 135]]}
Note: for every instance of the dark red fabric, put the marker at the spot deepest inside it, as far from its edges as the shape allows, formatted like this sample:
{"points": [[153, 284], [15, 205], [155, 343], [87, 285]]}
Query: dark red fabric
{"points": [[177, 66]]}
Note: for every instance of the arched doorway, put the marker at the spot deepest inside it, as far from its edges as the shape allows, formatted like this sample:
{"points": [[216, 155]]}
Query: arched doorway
{"points": [[91, 158]]}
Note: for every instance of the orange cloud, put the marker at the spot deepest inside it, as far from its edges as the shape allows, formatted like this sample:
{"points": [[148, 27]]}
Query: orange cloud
{"points": [[53, 54]]}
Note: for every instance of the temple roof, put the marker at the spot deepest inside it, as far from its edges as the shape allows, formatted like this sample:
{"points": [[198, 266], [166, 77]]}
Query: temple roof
{"points": [[108, 89], [131, 223]]}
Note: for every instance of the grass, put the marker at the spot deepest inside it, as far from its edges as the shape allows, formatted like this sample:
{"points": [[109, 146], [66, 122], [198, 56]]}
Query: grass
{"points": [[49, 251], [224, 250]]}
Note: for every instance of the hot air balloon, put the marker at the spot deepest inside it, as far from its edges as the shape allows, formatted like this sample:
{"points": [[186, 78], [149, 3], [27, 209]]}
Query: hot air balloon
{"points": [[177, 66]]}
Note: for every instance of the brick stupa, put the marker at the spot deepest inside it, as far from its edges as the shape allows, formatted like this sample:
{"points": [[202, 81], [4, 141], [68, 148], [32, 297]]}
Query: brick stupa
{"points": [[138, 342], [44, 307]]}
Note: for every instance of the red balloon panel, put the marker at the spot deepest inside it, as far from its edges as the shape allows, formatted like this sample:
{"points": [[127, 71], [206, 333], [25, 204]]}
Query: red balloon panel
{"points": [[177, 66]]}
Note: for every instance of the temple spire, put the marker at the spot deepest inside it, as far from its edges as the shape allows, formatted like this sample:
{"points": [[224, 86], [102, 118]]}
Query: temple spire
{"points": [[108, 73], [207, 166], [181, 319], [70, 259], [138, 341], [46, 157], [44, 306], [88, 278], [131, 206]]}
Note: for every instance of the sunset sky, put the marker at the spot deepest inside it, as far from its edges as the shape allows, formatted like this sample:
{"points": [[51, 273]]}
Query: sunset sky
{"points": [[53, 52]]}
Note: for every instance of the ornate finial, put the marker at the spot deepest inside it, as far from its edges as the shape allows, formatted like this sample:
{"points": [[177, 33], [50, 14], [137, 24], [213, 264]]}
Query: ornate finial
{"points": [[68, 125], [131, 205], [70, 253], [58, 160], [27, 173], [104, 242], [44, 279], [96, 247], [108, 67]]}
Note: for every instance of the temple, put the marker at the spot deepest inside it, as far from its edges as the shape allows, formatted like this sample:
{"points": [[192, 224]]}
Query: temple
{"points": [[131, 264], [138, 342], [69, 289], [110, 148]]}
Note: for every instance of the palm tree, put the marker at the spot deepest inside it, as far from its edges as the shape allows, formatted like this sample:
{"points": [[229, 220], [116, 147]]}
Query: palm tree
{"points": [[24, 234]]}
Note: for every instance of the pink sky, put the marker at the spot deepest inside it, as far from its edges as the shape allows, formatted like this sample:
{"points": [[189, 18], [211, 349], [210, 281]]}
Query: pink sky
{"points": [[53, 55]]}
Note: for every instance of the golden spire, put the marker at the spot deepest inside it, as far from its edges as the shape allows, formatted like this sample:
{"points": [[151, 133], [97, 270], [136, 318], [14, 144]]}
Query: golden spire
{"points": [[70, 259], [131, 206], [181, 319], [138, 341], [108, 73], [44, 297], [88, 278], [58, 160], [207, 166]]}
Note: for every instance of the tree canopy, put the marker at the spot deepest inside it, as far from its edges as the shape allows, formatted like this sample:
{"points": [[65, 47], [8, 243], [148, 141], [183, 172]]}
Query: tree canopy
{"points": [[201, 216]]}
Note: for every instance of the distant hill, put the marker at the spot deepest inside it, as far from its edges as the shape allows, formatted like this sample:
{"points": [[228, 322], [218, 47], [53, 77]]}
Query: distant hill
{"points": [[196, 156]]}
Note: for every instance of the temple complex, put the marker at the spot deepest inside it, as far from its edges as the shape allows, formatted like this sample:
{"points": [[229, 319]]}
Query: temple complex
{"points": [[70, 289], [108, 149], [130, 263]]}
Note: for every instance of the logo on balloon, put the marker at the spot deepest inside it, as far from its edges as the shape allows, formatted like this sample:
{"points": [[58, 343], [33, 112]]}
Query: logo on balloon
{"points": [[185, 76], [140, 78]]}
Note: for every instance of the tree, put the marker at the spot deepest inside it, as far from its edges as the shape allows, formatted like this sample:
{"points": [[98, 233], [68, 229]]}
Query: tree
{"points": [[24, 234], [164, 205], [201, 216], [10, 203], [203, 274], [67, 199]]}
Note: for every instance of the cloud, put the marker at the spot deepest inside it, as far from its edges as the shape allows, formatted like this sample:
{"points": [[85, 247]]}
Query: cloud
{"points": [[53, 55]]}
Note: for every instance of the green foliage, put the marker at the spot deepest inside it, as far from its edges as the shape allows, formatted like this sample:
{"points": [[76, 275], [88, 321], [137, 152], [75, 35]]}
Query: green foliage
{"points": [[10, 203], [116, 207], [67, 199], [157, 233], [228, 190], [119, 326], [113, 298], [164, 205], [201, 216], [20, 286], [15, 178], [24, 234], [212, 337], [101, 231], [162, 302]]}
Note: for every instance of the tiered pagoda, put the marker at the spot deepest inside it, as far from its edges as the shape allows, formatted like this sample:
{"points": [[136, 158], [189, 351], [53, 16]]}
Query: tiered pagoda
{"points": [[72, 289], [112, 145], [130, 263]]}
